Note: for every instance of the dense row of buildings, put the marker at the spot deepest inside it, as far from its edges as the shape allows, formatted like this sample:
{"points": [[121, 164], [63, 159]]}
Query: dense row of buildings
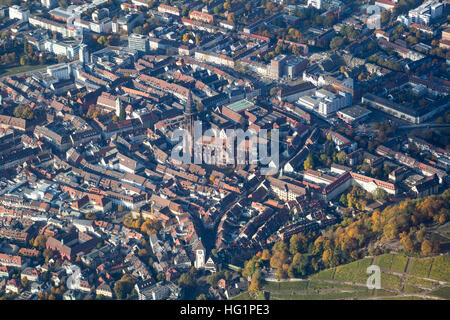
{"points": [[91, 180]]}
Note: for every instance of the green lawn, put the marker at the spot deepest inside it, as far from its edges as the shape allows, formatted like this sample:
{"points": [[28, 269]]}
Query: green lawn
{"points": [[421, 282], [384, 261], [390, 281], [440, 269], [7, 71], [355, 271], [325, 274], [328, 284], [420, 267], [399, 263], [288, 285], [405, 298], [442, 293], [324, 296], [412, 289]]}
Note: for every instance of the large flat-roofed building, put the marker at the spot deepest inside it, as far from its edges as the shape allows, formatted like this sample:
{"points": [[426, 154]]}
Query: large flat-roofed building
{"points": [[353, 114], [295, 66], [410, 114], [240, 105], [325, 102]]}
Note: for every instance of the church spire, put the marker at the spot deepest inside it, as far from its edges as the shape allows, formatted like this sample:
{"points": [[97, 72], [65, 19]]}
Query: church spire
{"points": [[189, 106], [189, 120]]}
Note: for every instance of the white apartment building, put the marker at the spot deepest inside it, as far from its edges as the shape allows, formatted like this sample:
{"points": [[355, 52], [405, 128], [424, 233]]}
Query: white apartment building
{"points": [[49, 4], [214, 58], [18, 12], [315, 4], [54, 26], [59, 71], [68, 50], [423, 14], [374, 21], [325, 102]]}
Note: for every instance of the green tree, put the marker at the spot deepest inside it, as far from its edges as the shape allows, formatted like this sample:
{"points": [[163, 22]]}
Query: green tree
{"points": [[124, 286], [336, 42], [380, 194], [255, 283], [24, 112], [40, 241], [300, 264], [309, 163], [186, 280], [426, 247], [343, 200], [341, 157]]}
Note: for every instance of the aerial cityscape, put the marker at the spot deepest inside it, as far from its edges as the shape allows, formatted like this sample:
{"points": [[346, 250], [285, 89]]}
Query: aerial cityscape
{"points": [[224, 150]]}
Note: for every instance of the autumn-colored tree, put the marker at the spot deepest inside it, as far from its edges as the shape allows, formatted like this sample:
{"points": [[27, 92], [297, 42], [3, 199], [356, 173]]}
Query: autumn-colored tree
{"points": [[278, 259], [151, 226], [427, 247], [341, 157], [24, 282], [265, 255], [40, 241], [309, 163], [406, 241], [250, 267], [326, 256], [300, 264], [297, 243], [231, 17], [255, 283], [281, 274]]}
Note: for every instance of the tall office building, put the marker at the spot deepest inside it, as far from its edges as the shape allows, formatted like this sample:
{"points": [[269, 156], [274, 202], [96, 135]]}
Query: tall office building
{"points": [[138, 42], [84, 53], [277, 66]]}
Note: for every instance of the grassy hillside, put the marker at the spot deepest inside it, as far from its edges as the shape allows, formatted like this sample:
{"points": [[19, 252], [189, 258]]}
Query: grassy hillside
{"points": [[402, 278]]}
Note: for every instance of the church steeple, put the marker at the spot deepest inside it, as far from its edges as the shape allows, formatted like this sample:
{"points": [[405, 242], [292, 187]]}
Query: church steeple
{"points": [[189, 111], [189, 107]]}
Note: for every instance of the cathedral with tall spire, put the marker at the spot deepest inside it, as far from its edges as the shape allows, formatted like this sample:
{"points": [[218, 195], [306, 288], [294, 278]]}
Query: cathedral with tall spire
{"points": [[189, 112]]}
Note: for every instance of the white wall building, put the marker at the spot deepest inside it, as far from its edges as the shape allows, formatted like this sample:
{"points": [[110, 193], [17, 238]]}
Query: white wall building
{"points": [[423, 14], [374, 21], [315, 3], [325, 102], [59, 71], [68, 50], [49, 4], [18, 12]]}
